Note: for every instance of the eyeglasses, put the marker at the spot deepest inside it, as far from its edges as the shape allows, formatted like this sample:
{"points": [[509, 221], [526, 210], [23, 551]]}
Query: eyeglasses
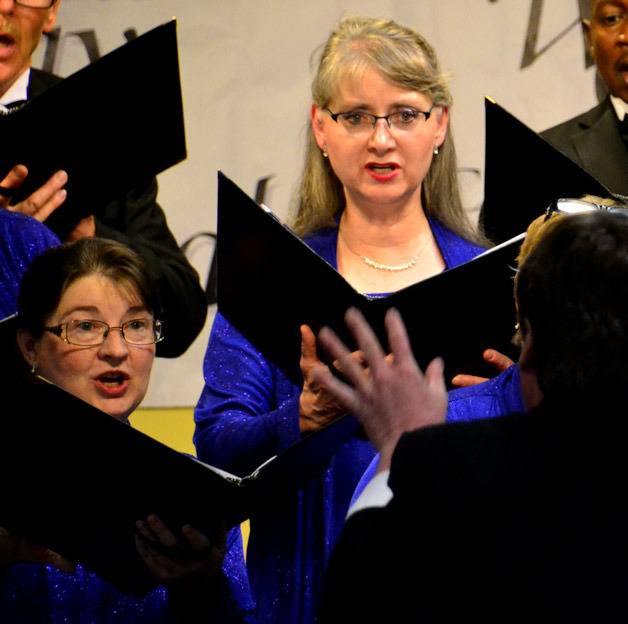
{"points": [[359, 122], [577, 206], [35, 4], [90, 333]]}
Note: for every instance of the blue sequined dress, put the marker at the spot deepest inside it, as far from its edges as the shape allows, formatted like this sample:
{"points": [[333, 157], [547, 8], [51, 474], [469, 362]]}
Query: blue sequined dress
{"points": [[22, 239], [249, 411], [34, 593]]}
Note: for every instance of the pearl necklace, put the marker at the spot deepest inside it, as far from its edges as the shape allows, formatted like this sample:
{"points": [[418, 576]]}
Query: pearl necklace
{"points": [[392, 267]]}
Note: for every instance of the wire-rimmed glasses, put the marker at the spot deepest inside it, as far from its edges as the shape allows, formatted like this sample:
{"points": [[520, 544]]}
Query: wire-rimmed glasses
{"points": [[92, 333], [360, 122]]}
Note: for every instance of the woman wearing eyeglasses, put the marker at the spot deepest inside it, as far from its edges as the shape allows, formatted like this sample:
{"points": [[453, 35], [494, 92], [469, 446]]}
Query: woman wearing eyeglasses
{"points": [[379, 201], [87, 323]]}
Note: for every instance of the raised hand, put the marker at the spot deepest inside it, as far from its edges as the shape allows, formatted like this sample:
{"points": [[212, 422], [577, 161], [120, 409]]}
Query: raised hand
{"points": [[390, 396]]}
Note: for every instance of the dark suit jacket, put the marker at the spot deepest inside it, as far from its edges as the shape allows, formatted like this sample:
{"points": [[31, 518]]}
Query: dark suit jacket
{"points": [[521, 518], [593, 141], [138, 221]]}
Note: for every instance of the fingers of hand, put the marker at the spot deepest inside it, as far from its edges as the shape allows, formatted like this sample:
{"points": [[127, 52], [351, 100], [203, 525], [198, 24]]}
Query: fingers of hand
{"points": [[58, 561], [45, 199], [342, 392], [464, 381], [352, 369], [15, 177], [198, 541], [161, 532], [308, 342], [12, 180], [398, 338], [365, 337], [500, 361], [358, 356], [434, 375]]}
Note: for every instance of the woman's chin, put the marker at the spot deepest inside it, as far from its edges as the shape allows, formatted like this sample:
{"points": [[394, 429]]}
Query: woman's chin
{"points": [[120, 409]]}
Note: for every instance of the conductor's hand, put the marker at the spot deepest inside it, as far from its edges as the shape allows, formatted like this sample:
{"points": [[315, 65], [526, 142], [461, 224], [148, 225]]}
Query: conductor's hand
{"points": [[15, 549], [390, 396], [317, 407], [496, 359], [171, 559], [41, 203]]}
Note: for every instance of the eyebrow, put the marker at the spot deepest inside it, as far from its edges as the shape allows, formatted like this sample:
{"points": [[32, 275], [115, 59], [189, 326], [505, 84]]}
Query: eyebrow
{"points": [[95, 310], [392, 106]]}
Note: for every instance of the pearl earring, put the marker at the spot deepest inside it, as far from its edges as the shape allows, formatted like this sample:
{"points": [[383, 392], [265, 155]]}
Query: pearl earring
{"points": [[325, 154], [435, 151]]}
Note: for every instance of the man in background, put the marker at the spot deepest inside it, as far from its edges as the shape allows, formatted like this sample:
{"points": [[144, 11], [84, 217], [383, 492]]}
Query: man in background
{"points": [[598, 139], [134, 219], [515, 519]]}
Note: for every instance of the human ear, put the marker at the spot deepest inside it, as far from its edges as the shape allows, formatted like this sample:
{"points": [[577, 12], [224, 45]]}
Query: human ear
{"points": [[51, 18], [442, 123], [586, 30], [527, 357], [29, 346], [317, 126]]}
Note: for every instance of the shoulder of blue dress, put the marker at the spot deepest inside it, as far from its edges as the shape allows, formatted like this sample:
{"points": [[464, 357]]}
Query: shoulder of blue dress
{"points": [[497, 396], [454, 248], [324, 242], [19, 226]]}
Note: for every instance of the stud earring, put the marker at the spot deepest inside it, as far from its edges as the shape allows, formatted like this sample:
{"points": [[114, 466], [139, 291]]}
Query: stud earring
{"points": [[435, 151]]}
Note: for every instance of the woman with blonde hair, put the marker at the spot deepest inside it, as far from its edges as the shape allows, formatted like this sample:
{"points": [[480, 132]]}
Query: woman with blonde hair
{"points": [[379, 201]]}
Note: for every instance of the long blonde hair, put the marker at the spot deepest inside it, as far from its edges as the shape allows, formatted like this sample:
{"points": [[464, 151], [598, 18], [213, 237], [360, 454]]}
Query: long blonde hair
{"points": [[406, 59]]}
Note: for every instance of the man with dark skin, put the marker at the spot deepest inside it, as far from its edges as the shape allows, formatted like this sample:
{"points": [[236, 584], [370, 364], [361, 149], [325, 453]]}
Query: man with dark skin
{"points": [[134, 219], [598, 139]]}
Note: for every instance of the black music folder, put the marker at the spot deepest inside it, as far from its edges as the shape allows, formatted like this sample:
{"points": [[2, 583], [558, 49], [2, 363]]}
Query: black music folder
{"points": [[76, 479], [111, 125], [270, 283], [523, 175]]}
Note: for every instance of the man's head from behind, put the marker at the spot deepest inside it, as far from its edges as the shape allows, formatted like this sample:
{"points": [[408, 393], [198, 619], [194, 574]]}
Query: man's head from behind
{"points": [[21, 27], [607, 34], [572, 294]]}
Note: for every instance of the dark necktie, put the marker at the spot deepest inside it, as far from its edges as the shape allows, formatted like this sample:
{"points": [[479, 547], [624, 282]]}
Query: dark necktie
{"points": [[623, 128]]}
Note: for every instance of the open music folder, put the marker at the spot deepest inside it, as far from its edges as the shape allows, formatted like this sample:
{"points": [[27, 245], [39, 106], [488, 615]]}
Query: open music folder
{"points": [[107, 145], [523, 175], [270, 283], [76, 479]]}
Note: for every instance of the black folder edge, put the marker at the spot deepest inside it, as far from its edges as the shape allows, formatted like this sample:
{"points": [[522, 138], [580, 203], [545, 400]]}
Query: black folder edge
{"points": [[523, 174], [270, 282], [76, 479], [52, 131]]}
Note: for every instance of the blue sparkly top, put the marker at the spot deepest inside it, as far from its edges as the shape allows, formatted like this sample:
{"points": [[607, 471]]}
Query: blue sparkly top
{"points": [[248, 412], [36, 593], [495, 397], [33, 593], [22, 239]]}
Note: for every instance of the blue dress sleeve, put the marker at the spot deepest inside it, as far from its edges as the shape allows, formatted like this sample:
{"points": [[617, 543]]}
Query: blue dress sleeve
{"points": [[22, 239], [248, 410]]}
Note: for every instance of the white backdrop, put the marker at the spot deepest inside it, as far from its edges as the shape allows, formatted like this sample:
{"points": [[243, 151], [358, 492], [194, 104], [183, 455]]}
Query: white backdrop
{"points": [[246, 69]]}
